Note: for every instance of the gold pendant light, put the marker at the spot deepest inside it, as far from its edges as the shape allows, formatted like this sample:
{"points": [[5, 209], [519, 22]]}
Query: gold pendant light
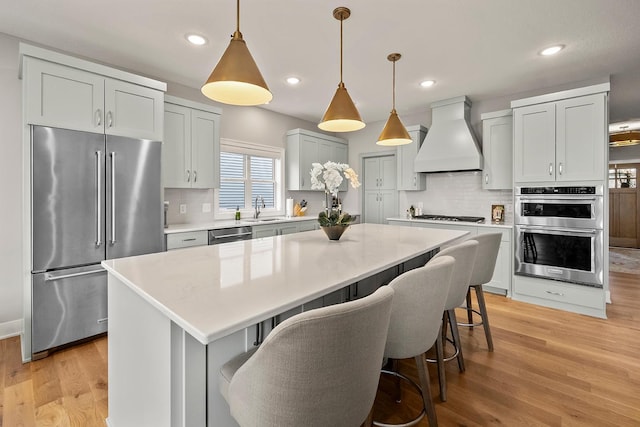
{"points": [[394, 132], [341, 115], [236, 80]]}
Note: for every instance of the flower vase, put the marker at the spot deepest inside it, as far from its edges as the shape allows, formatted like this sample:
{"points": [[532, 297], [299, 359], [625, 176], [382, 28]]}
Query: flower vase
{"points": [[334, 232]]}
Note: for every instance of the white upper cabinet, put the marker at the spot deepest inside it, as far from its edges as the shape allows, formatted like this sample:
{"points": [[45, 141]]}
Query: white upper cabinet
{"points": [[191, 146], [497, 150], [563, 140], [67, 97], [305, 148], [408, 179]]}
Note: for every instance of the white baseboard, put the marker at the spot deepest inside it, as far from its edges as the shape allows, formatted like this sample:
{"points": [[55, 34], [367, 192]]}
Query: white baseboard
{"points": [[10, 329]]}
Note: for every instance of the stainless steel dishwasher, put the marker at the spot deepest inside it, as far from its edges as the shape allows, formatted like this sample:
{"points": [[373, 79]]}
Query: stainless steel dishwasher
{"points": [[231, 234]]}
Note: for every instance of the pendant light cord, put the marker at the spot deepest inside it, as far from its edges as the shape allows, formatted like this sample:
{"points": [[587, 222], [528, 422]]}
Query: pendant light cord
{"points": [[238, 16], [394, 86], [341, 20]]}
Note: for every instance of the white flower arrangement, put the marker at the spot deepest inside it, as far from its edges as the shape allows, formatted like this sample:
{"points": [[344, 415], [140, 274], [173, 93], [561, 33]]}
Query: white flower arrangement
{"points": [[329, 176]]}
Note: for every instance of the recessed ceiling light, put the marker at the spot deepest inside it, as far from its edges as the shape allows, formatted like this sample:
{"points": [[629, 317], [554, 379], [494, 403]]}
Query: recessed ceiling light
{"points": [[552, 50], [293, 80], [196, 39], [427, 83]]}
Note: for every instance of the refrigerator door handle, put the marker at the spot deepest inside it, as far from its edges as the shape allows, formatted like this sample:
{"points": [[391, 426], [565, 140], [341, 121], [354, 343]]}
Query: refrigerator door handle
{"points": [[113, 197], [98, 199], [50, 277]]}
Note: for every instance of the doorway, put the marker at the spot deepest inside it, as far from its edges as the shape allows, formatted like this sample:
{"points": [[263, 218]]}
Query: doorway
{"points": [[624, 205]]}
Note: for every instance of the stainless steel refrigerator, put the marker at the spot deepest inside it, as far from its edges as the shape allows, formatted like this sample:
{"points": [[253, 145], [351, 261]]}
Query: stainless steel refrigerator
{"points": [[93, 197]]}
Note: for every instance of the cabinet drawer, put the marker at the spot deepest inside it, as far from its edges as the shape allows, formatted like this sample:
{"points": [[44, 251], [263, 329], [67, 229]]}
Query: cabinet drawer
{"points": [[188, 239], [561, 292]]}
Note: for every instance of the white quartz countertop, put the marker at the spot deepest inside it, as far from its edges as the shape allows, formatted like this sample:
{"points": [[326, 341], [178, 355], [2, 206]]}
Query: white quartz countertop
{"points": [[226, 223], [454, 223], [212, 291]]}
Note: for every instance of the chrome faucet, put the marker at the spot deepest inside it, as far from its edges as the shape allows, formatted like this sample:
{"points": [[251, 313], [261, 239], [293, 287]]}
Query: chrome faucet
{"points": [[257, 212]]}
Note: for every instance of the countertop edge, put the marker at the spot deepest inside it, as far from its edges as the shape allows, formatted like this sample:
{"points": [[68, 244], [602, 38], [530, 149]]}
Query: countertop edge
{"points": [[454, 223]]}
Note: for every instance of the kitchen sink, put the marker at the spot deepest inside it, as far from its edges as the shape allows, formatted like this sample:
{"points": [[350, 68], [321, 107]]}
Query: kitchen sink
{"points": [[252, 220]]}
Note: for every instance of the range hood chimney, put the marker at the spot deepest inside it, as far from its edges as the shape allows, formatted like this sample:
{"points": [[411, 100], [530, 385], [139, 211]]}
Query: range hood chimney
{"points": [[450, 144]]}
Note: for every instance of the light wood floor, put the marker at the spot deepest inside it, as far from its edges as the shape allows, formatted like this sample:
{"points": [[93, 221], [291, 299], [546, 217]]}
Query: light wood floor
{"points": [[549, 368]]}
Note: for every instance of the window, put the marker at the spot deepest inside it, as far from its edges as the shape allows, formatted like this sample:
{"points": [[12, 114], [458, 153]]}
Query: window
{"points": [[623, 176], [248, 171]]}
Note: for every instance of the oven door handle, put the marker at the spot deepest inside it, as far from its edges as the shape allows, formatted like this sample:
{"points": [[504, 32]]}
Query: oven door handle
{"points": [[592, 231], [556, 198]]}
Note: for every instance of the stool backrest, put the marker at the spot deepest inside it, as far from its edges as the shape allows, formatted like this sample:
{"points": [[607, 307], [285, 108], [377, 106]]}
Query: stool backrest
{"points": [[465, 254], [418, 303], [488, 247], [318, 368]]}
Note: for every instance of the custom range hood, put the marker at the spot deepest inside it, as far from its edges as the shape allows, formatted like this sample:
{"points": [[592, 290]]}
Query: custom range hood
{"points": [[450, 144]]}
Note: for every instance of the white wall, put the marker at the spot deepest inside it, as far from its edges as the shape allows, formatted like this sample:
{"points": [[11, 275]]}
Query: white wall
{"points": [[10, 189]]}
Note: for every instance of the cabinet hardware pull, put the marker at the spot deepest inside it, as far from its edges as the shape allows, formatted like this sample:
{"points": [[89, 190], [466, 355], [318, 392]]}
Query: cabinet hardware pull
{"points": [[109, 119], [98, 199], [259, 334], [560, 168], [550, 168], [486, 178], [188, 176], [189, 240], [51, 278], [560, 294], [98, 117], [224, 236], [103, 320], [195, 176], [113, 197]]}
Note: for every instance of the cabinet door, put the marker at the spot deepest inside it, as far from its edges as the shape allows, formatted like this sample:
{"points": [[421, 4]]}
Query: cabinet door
{"points": [[407, 179], [497, 149], [63, 97], [308, 155], [205, 149], [339, 154], [264, 231], [133, 111], [581, 138], [534, 143], [287, 229], [372, 213], [307, 226], [176, 148], [325, 152], [372, 173], [388, 173], [388, 205]]}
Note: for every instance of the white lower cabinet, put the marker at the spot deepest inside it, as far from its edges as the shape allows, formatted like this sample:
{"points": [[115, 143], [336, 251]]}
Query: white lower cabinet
{"points": [[501, 281], [187, 239]]}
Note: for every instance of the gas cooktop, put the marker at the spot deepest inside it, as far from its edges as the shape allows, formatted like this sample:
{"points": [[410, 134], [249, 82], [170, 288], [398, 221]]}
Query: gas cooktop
{"points": [[477, 219]]}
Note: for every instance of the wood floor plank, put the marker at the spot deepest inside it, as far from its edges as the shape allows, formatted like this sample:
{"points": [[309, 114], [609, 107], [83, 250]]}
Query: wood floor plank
{"points": [[93, 367], [52, 414], [46, 383], [19, 410]]}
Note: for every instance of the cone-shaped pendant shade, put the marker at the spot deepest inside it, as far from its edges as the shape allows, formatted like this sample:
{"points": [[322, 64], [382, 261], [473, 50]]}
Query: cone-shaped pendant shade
{"points": [[394, 132], [236, 79], [341, 115]]}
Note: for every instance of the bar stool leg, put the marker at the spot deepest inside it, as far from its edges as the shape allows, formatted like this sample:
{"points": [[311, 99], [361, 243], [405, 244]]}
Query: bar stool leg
{"points": [[442, 380], [456, 338], [485, 316], [469, 308], [427, 399]]}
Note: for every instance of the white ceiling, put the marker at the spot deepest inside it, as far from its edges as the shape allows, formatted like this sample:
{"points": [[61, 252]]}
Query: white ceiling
{"points": [[482, 49]]}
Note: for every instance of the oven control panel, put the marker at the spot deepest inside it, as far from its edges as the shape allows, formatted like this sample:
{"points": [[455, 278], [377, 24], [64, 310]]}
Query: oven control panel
{"points": [[559, 190]]}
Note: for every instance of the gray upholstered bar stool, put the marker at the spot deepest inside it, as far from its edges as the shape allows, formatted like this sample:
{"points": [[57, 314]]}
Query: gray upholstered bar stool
{"points": [[488, 247], [416, 317], [465, 255], [318, 368]]}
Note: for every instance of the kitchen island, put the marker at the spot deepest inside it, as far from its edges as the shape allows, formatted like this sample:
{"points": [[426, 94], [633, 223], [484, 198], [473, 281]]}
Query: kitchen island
{"points": [[176, 317]]}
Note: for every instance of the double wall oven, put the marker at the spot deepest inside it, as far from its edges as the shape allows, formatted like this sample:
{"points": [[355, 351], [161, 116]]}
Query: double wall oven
{"points": [[559, 233]]}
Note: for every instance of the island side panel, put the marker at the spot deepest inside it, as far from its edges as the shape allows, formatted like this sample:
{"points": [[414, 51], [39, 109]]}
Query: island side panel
{"points": [[139, 360]]}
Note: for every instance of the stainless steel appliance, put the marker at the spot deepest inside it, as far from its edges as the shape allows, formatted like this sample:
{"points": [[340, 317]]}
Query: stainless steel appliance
{"points": [[559, 233], [476, 219], [232, 234], [93, 197]]}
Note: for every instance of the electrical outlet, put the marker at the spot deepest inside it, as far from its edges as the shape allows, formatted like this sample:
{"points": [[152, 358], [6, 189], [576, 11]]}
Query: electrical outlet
{"points": [[206, 207], [183, 209]]}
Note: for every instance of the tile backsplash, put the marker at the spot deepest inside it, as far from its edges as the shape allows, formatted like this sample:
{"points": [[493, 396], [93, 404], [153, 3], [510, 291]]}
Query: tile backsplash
{"points": [[457, 193], [194, 200]]}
